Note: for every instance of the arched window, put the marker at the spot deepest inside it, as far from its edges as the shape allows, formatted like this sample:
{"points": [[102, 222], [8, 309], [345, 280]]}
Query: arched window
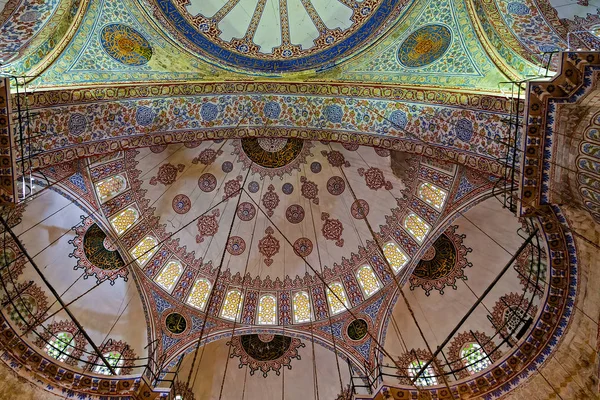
{"points": [[427, 378], [368, 281], [474, 358], [124, 220], [110, 187], [416, 226], [432, 195], [267, 310], [169, 274], [145, 249], [199, 294], [339, 303], [301, 304], [59, 346], [232, 305], [514, 320], [395, 257], [114, 359], [23, 309]]}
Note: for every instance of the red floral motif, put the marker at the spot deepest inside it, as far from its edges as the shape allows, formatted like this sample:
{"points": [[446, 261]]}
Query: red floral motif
{"points": [[294, 213], [309, 190], [207, 225], [270, 200], [246, 211], [335, 158], [236, 245], [268, 246], [332, 229], [232, 187], [207, 156], [382, 152], [374, 178], [303, 247], [359, 209], [336, 185], [167, 173]]}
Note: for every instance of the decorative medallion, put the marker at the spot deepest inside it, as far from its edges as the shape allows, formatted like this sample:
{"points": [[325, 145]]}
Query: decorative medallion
{"points": [[253, 187], [175, 323], [167, 173], [158, 148], [424, 46], [207, 225], [309, 190], [359, 209], [357, 329], [272, 109], [442, 264], [335, 158], [464, 129], [232, 188], [227, 167], [181, 204], [294, 213], [287, 188], [315, 167], [399, 120], [351, 146], [92, 255], [303, 247], [236, 245], [77, 124], [268, 246], [333, 113], [207, 156], [265, 352], [207, 182], [209, 111], [332, 229], [270, 200], [336, 185], [125, 44], [374, 179], [25, 303], [246, 211], [272, 156], [144, 116], [381, 152], [193, 144]]}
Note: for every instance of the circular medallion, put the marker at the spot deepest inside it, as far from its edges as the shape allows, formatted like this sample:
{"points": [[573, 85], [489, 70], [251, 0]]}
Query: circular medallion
{"points": [[181, 204], [158, 148], [175, 323], [125, 44], [398, 119], [439, 261], [303, 247], [193, 144], [246, 211], [287, 188], [236, 245], [272, 152], [315, 167], [207, 182], [382, 152], [464, 129], [336, 185], [424, 46], [350, 146], [77, 124], [294, 213], [227, 166], [357, 329], [253, 187], [144, 115], [359, 209]]}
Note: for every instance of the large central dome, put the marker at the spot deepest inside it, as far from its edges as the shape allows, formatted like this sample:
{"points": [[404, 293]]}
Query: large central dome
{"points": [[276, 36]]}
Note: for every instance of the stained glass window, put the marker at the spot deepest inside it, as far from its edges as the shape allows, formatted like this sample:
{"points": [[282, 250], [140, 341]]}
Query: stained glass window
{"points": [[395, 257], [124, 219], [416, 226], [23, 309], [432, 195], [60, 346], [335, 304], [169, 275], [474, 358], [114, 358], [232, 305], [110, 187], [427, 378], [145, 249], [199, 294], [301, 304], [368, 281], [267, 310]]}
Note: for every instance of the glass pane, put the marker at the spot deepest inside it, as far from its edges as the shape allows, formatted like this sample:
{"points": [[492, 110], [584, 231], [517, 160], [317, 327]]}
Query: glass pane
{"points": [[427, 378], [199, 294], [475, 358], [416, 226], [114, 358], [123, 220], [301, 305], [169, 275], [395, 256], [267, 310], [232, 305], [336, 305], [60, 346], [110, 187], [368, 281], [145, 249], [432, 195]]}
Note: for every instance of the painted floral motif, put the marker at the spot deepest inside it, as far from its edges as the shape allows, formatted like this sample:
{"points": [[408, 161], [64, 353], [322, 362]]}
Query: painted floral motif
{"points": [[181, 204], [351, 146], [335, 158], [270, 200], [70, 350], [268, 246], [332, 229], [359, 209], [246, 211], [208, 225], [294, 213], [158, 148], [29, 304], [303, 247], [336, 185], [309, 190], [374, 179], [232, 188], [236, 245], [265, 353], [381, 152], [207, 156], [167, 173], [207, 182]]}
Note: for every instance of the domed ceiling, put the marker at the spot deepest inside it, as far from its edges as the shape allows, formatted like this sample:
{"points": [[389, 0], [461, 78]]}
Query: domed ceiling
{"points": [[276, 36]]}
